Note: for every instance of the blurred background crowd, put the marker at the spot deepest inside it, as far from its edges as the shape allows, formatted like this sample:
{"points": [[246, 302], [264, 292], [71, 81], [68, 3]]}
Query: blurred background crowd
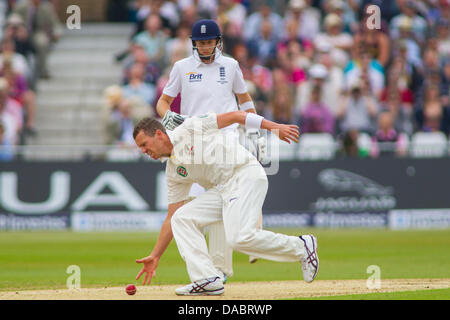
{"points": [[28, 30], [326, 65]]}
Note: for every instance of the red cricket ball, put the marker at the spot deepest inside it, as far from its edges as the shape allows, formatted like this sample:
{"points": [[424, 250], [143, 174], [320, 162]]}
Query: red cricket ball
{"points": [[130, 289]]}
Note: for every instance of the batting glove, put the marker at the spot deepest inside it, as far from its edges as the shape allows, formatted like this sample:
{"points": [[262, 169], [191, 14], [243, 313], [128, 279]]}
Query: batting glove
{"points": [[171, 120], [257, 145]]}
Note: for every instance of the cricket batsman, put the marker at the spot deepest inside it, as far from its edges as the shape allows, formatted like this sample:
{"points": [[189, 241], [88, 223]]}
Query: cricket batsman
{"points": [[197, 151], [210, 82]]}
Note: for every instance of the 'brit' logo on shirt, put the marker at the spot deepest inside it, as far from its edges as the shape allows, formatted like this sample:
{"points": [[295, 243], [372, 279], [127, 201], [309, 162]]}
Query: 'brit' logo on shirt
{"points": [[194, 76]]}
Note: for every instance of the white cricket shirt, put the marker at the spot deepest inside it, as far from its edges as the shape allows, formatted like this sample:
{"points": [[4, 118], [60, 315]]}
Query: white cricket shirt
{"points": [[202, 154], [206, 87]]}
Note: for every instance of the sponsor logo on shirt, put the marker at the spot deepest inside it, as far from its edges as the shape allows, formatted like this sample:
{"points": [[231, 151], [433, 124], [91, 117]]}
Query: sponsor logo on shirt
{"points": [[194, 76], [222, 78], [182, 171]]}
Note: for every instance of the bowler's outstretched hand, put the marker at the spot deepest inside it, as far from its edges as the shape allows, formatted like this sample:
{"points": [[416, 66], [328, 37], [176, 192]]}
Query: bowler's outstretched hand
{"points": [[149, 268]]}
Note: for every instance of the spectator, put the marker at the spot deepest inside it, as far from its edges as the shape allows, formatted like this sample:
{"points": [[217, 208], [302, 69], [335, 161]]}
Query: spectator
{"points": [[181, 43], [193, 10], [397, 97], [140, 56], [303, 48], [408, 8], [347, 10], [401, 111], [264, 45], [19, 91], [317, 117], [432, 116], [121, 125], [291, 60], [306, 17], [400, 80], [375, 41], [282, 105], [386, 140], [358, 110], [11, 114], [231, 36], [138, 88], [350, 146], [233, 14], [166, 10], [170, 16], [20, 64], [428, 75], [252, 70], [112, 95], [445, 84], [363, 67], [6, 150], [318, 74], [16, 31], [152, 39], [340, 42], [407, 42], [443, 38], [334, 81], [44, 28], [252, 25]]}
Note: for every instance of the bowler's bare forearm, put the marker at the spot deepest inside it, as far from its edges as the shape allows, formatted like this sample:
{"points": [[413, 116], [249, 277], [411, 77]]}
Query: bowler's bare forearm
{"points": [[229, 118], [165, 234]]}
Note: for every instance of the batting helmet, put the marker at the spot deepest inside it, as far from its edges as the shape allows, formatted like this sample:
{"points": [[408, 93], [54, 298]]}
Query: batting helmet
{"points": [[205, 30]]}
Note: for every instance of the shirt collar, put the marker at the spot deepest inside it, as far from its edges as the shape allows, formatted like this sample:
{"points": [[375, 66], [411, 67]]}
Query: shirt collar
{"points": [[170, 134], [217, 59]]}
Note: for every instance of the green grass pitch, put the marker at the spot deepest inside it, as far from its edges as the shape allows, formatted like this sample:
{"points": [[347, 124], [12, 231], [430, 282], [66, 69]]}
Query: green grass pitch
{"points": [[39, 260]]}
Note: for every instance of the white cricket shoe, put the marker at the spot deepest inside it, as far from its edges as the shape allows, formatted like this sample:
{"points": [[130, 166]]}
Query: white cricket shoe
{"points": [[310, 260], [207, 287]]}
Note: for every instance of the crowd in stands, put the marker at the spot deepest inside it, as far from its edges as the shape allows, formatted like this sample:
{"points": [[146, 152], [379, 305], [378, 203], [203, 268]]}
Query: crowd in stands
{"points": [[322, 64], [27, 30]]}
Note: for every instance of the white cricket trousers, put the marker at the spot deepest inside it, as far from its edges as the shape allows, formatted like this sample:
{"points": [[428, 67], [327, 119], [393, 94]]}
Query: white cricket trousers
{"points": [[238, 204], [220, 252]]}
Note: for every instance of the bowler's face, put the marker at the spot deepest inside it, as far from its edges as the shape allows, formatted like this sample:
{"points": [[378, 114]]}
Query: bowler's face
{"points": [[150, 146]]}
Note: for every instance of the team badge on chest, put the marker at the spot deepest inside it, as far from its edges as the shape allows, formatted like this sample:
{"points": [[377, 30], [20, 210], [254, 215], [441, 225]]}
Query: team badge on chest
{"points": [[222, 77], [182, 171]]}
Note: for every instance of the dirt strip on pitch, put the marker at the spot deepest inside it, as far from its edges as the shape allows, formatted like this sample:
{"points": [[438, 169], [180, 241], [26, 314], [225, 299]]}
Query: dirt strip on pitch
{"points": [[234, 290]]}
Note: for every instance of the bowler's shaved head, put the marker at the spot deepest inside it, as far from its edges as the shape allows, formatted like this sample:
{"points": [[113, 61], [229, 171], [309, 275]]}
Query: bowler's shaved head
{"points": [[148, 126]]}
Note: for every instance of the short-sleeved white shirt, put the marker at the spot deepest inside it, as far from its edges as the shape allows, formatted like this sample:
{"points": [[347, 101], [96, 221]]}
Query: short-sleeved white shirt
{"points": [[199, 138], [206, 87]]}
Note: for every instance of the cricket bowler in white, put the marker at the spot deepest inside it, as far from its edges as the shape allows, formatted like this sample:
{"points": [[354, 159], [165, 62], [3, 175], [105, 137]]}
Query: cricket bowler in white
{"points": [[210, 82], [236, 189]]}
